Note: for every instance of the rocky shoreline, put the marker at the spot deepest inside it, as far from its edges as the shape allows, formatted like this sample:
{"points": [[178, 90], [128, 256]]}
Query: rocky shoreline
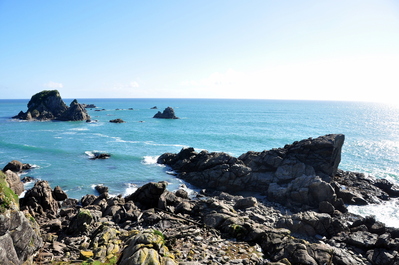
{"points": [[282, 206]]}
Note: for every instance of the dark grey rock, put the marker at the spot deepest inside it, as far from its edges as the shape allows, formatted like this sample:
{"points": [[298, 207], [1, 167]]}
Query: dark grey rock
{"points": [[15, 166], [168, 113], [48, 105], [59, 194], [117, 121]]}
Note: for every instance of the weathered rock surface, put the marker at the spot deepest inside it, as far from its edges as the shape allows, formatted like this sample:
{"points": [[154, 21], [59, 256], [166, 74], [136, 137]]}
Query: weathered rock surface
{"points": [[48, 105], [296, 175], [19, 233], [39, 200], [168, 113], [15, 166], [75, 112], [156, 226], [14, 182]]}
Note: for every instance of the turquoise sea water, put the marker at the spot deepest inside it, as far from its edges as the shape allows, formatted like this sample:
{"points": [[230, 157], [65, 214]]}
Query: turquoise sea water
{"points": [[60, 150]]}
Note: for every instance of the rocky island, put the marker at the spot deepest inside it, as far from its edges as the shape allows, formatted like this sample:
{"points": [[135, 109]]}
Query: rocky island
{"points": [[298, 214], [48, 105], [168, 113]]}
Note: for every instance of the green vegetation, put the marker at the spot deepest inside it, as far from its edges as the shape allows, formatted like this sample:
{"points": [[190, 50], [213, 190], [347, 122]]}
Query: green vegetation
{"points": [[8, 199], [159, 233], [41, 97], [38, 97], [237, 231]]}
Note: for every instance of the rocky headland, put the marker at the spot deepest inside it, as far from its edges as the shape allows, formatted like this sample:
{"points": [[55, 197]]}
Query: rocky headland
{"points": [[282, 206], [48, 105]]}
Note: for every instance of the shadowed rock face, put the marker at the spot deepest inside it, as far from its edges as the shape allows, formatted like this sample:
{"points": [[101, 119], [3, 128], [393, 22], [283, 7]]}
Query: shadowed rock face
{"points": [[48, 105], [298, 174], [168, 113]]}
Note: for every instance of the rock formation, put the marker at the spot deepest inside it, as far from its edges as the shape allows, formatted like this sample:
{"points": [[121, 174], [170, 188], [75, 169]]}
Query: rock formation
{"points": [[48, 105], [296, 175], [302, 220], [19, 233], [168, 113], [117, 121], [75, 112]]}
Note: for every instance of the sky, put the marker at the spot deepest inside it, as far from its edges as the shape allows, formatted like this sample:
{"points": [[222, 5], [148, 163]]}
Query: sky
{"points": [[268, 49]]}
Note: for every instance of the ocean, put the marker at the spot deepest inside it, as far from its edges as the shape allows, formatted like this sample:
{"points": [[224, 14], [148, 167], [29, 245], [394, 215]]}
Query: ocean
{"points": [[60, 151]]}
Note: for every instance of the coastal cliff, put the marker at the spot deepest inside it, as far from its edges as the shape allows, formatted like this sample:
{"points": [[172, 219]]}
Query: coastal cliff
{"points": [[297, 216], [48, 105]]}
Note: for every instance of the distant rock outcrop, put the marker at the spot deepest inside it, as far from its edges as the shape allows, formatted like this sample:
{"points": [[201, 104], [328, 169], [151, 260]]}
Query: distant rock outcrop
{"points": [[117, 121], [168, 113], [48, 105]]}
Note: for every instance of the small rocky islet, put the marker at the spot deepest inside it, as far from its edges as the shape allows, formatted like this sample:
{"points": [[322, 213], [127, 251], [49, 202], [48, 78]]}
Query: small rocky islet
{"points": [[281, 206]]}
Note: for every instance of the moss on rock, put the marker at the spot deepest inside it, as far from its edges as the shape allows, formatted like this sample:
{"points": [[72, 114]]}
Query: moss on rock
{"points": [[8, 199]]}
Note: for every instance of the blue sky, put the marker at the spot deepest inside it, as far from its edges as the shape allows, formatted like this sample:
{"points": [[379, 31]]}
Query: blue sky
{"points": [[330, 50]]}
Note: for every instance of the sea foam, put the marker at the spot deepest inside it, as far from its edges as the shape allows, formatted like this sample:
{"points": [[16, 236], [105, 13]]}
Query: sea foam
{"points": [[387, 212], [150, 160]]}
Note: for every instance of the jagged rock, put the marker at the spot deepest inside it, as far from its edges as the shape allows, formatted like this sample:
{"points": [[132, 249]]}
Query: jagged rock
{"points": [[89, 106], [59, 194], [20, 238], [359, 189], [168, 113], [81, 222], [75, 112], [388, 187], [39, 200], [101, 189], [48, 105], [319, 156], [149, 194]]}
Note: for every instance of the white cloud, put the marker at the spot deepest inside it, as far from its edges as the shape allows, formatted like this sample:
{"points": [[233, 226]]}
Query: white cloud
{"points": [[133, 84], [54, 85]]}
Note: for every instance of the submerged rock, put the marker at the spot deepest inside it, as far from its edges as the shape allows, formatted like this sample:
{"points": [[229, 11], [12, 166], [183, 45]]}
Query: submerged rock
{"points": [[117, 121]]}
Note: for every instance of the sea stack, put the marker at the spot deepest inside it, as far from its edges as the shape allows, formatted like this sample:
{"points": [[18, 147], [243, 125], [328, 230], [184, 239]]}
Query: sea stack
{"points": [[48, 105], [168, 113]]}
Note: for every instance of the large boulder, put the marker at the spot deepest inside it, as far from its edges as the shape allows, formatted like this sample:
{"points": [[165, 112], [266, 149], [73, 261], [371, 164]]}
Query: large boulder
{"points": [[40, 200], [147, 247], [20, 238], [14, 182], [168, 113], [48, 105], [15, 166], [149, 194]]}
